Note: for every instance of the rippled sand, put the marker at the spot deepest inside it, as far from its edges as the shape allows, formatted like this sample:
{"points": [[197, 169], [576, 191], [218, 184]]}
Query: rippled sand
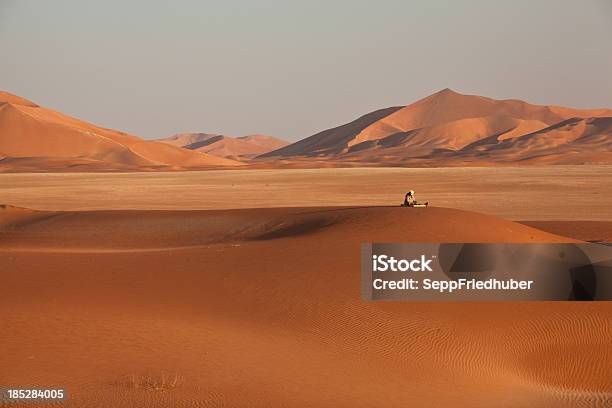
{"points": [[261, 307]]}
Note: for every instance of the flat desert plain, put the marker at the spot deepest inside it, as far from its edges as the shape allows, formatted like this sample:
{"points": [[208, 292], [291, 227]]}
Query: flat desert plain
{"points": [[241, 289], [517, 193]]}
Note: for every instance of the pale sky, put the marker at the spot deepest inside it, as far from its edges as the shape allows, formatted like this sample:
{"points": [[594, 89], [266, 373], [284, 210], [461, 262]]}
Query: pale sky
{"points": [[289, 68]]}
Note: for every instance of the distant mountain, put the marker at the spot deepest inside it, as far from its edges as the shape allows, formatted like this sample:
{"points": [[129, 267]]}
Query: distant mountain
{"points": [[185, 139], [33, 138], [449, 128], [238, 148]]}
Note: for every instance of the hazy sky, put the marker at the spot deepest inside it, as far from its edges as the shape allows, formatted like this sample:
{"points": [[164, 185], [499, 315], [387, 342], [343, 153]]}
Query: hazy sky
{"points": [[289, 68]]}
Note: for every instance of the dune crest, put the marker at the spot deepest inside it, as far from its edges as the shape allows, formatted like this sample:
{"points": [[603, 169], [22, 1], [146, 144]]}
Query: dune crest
{"points": [[159, 229]]}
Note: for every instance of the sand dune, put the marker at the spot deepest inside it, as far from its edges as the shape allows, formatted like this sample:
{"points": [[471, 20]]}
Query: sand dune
{"points": [[331, 141], [41, 138], [438, 128], [444, 129], [184, 139], [454, 135], [447, 106], [572, 141], [261, 308], [240, 148], [591, 138], [6, 97], [124, 229]]}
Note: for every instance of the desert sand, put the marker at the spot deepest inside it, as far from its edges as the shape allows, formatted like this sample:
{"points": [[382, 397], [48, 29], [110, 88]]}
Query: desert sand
{"points": [[173, 289], [240, 288], [592, 231], [543, 193], [261, 307]]}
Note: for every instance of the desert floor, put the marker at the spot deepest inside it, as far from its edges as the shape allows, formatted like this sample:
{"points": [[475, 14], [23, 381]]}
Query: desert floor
{"points": [[517, 193], [202, 305]]}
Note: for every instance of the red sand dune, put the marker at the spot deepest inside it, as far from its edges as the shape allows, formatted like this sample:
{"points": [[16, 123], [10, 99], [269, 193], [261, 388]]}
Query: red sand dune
{"points": [[454, 135], [587, 140], [261, 307], [35, 137], [443, 128], [237, 148]]}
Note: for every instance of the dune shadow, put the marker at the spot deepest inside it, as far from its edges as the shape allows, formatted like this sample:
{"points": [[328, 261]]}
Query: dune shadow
{"points": [[293, 228]]}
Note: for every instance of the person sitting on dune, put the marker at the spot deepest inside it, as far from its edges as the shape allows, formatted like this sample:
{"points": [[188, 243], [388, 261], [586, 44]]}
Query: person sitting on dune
{"points": [[410, 201]]}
